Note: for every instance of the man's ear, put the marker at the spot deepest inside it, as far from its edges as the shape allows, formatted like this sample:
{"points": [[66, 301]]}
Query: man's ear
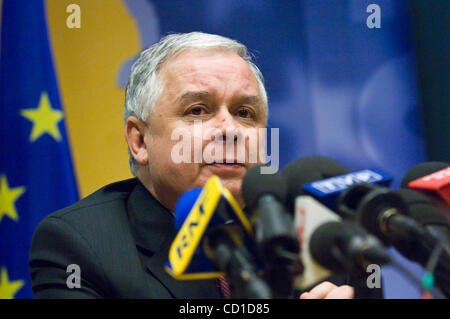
{"points": [[134, 134]]}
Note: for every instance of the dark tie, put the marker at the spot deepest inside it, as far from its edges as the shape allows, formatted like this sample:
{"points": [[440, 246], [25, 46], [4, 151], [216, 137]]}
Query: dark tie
{"points": [[224, 287]]}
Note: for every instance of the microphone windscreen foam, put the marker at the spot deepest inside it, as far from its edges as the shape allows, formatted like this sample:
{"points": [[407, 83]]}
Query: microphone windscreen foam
{"points": [[327, 236], [426, 214], [255, 184], [412, 197], [421, 170], [422, 209], [307, 170]]}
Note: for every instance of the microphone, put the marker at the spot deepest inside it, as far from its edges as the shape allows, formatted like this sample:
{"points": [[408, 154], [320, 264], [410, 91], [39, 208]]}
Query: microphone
{"points": [[311, 212], [212, 241], [421, 170], [309, 215], [306, 170], [344, 246], [184, 205], [431, 179], [196, 212], [402, 218], [379, 210], [226, 249], [325, 179], [383, 213], [437, 237], [264, 195], [423, 209], [344, 194]]}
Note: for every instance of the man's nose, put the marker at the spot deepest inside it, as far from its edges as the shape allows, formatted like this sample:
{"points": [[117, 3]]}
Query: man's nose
{"points": [[226, 122]]}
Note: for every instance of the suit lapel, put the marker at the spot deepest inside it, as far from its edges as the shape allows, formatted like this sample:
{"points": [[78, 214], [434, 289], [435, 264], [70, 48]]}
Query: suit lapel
{"points": [[153, 229], [180, 289]]}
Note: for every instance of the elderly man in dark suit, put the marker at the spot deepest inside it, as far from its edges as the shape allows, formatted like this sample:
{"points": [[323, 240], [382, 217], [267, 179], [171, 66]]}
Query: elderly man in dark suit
{"points": [[119, 236]]}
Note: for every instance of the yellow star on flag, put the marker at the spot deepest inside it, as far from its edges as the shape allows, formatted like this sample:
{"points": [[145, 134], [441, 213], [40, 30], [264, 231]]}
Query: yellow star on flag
{"points": [[8, 197], [9, 288], [44, 118]]}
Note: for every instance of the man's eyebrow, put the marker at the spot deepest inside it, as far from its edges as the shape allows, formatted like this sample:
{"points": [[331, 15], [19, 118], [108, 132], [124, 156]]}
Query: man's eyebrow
{"points": [[193, 95], [251, 99], [198, 95]]}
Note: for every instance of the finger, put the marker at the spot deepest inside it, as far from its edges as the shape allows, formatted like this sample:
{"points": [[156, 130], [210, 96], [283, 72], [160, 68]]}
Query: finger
{"points": [[320, 291], [304, 295], [342, 292]]}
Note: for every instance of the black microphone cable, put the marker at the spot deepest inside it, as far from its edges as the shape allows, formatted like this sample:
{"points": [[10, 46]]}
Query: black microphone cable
{"points": [[428, 279]]}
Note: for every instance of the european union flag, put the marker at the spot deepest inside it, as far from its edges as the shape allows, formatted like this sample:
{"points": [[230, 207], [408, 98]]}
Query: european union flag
{"points": [[36, 173]]}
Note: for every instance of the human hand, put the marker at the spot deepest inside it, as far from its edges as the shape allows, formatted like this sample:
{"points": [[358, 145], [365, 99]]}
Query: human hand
{"points": [[327, 290]]}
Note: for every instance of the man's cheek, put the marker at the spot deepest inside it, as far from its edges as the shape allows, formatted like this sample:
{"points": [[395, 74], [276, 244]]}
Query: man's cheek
{"points": [[186, 145], [254, 150]]}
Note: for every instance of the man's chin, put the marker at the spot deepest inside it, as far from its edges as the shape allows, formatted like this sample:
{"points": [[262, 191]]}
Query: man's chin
{"points": [[234, 186], [231, 179]]}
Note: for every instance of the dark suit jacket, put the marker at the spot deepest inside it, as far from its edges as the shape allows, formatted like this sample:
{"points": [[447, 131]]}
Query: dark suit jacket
{"points": [[120, 237]]}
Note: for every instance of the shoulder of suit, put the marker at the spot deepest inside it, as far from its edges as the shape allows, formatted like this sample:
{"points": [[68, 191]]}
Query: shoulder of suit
{"points": [[109, 195]]}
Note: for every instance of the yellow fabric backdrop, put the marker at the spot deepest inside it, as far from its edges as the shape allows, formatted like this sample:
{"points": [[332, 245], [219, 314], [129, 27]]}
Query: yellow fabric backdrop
{"points": [[87, 63]]}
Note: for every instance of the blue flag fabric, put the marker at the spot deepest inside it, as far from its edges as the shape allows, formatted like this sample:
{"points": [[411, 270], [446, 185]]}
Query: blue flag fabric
{"points": [[36, 173]]}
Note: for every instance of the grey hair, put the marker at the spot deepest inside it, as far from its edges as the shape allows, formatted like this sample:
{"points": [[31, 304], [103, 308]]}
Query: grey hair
{"points": [[144, 86]]}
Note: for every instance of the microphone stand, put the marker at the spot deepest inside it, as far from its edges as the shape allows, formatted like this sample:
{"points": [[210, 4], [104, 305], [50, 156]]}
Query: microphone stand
{"points": [[280, 273], [237, 263], [357, 278]]}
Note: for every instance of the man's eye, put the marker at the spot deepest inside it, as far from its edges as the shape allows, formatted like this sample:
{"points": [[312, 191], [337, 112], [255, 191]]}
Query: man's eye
{"points": [[244, 113], [198, 110]]}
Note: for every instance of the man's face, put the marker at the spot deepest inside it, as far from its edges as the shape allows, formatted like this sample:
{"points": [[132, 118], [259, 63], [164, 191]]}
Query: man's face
{"points": [[217, 88]]}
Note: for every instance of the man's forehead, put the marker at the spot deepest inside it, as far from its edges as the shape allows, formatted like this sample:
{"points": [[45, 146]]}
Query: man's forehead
{"points": [[203, 60], [200, 52], [195, 73]]}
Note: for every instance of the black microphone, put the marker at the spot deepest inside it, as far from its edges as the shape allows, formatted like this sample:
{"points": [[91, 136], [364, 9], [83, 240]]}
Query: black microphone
{"points": [[429, 216], [344, 246], [382, 212], [403, 218], [306, 170], [226, 249], [426, 206], [430, 181], [264, 195], [397, 218], [422, 208], [437, 236]]}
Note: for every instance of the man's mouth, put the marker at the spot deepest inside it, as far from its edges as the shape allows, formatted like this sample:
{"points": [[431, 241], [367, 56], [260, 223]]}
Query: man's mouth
{"points": [[226, 166]]}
